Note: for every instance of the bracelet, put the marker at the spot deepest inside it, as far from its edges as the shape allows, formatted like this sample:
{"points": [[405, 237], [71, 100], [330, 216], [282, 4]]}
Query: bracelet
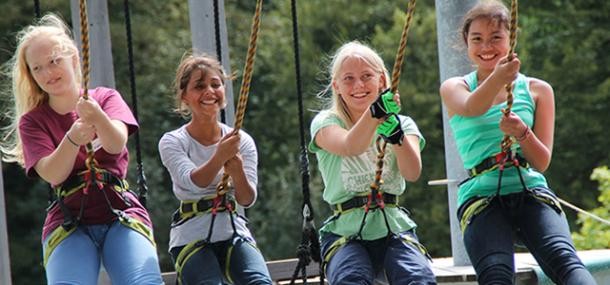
{"points": [[525, 135], [71, 141]]}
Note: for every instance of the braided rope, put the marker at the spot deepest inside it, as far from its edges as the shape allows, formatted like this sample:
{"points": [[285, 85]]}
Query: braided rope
{"points": [[507, 141], [222, 188], [381, 144], [91, 163]]}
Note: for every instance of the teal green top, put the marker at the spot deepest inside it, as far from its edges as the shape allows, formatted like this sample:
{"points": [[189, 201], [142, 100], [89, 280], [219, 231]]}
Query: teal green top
{"points": [[346, 177], [479, 137]]}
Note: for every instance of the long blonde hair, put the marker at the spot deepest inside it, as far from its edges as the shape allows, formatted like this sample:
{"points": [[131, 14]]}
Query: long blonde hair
{"points": [[27, 93], [349, 50]]}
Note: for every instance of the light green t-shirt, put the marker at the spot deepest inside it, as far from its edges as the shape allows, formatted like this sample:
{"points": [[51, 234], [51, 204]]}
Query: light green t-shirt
{"points": [[479, 137], [346, 177]]}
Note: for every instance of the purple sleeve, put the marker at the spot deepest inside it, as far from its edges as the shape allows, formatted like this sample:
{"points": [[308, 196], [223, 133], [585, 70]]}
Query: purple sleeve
{"points": [[113, 104], [37, 143]]}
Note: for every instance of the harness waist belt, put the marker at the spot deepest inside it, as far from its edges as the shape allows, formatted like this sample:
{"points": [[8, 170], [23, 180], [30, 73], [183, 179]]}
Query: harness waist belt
{"points": [[202, 205], [360, 201], [105, 177], [492, 163]]}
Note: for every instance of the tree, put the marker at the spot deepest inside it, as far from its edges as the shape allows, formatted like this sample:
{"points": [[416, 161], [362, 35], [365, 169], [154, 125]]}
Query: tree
{"points": [[593, 233]]}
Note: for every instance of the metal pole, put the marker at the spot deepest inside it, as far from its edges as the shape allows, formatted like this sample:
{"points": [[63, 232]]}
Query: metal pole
{"points": [[5, 263], [452, 62], [201, 15], [102, 70]]}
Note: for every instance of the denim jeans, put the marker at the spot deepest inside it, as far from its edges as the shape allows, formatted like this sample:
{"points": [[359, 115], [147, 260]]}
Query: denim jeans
{"points": [[491, 234], [207, 266], [128, 256], [358, 261]]}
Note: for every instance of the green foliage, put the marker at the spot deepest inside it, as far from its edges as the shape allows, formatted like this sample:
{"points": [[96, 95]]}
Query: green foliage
{"points": [[594, 234]]}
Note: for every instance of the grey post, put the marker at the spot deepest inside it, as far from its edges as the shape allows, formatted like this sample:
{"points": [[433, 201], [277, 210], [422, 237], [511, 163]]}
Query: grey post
{"points": [[452, 62], [5, 263], [101, 70], [203, 36]]}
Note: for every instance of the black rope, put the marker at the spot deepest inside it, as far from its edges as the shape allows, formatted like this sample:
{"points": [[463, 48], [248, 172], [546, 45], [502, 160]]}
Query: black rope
{"points": [[37, 9], [223, 115], [141, 179], [310, 246]]}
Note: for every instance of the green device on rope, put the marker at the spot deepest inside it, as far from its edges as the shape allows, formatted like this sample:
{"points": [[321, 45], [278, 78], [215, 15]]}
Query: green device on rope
{"points": [[391, 130], [384, 105]]}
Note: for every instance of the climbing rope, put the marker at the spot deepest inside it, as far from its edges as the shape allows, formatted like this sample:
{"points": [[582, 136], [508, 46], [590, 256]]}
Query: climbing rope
{"points": [[90, 162], [507, 140], [381, 144], [222, 188], [141, 179], [37, 9], [310, 245], [218, 47], [579, 210]]}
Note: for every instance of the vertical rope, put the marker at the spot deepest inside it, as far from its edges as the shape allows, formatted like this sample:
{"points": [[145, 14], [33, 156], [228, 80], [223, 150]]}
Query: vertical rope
{"points": [[245, 85], [37, 8], [84, 25], [507, 142], [218, 47], [381, 144], [141, 179]]}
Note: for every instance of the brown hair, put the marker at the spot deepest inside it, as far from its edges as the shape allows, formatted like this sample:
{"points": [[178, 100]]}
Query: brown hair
{"points": [[188, 64], [493, 10]]}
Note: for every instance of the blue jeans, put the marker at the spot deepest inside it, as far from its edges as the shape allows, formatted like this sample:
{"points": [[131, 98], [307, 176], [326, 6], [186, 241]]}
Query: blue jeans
{"points": [[207, 266], [128, 256], [358, 261], [491, 234]]}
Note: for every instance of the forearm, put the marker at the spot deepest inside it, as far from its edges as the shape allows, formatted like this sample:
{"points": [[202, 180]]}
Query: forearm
{"points": [[244, 191], [56, 167], [204, 175], [408, 158], [112, 135], [535, 152], [359, 137], [483, 96]]}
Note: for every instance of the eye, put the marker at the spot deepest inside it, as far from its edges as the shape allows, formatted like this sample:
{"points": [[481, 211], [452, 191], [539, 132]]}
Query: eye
{"points": [[56, 60], [216, 85], [366, 77], [348, 78], [199, 86]]}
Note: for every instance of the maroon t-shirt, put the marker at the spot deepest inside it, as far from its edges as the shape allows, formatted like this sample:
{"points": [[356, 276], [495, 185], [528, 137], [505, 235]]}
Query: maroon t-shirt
{"points": [[41, 131]]}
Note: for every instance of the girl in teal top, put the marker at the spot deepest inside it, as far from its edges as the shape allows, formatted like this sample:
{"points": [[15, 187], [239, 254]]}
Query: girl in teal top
{"points": [[521, 206], [357, 246]]}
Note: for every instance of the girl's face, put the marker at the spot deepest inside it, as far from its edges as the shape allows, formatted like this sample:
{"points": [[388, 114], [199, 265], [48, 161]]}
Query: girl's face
{"points": [[52, 71], [488, 42], [205, 93], [358, 84]]}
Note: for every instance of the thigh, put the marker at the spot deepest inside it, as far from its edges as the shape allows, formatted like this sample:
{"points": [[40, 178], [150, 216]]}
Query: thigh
{"points": [[404, 263], [129, 257], [247, 265], [74, 261], [489, 243], [350, 264], [547, 235], [202, 267]]}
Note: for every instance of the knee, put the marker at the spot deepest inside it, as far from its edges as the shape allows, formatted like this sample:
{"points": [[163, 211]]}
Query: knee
{"points": [[495, 270]]}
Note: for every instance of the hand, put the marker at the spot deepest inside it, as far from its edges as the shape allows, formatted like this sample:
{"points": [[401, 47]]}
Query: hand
{"points": [[391, 130], [80, 132], [228, 147], [507, 71], [387, 103], [512, 125], [89, 110], [234, 165]]}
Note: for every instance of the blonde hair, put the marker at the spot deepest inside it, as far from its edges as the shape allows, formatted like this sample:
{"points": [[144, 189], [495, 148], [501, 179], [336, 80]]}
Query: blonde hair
{"points": [[189, 64], [350, 50], [27, 93], [492, 10]]}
